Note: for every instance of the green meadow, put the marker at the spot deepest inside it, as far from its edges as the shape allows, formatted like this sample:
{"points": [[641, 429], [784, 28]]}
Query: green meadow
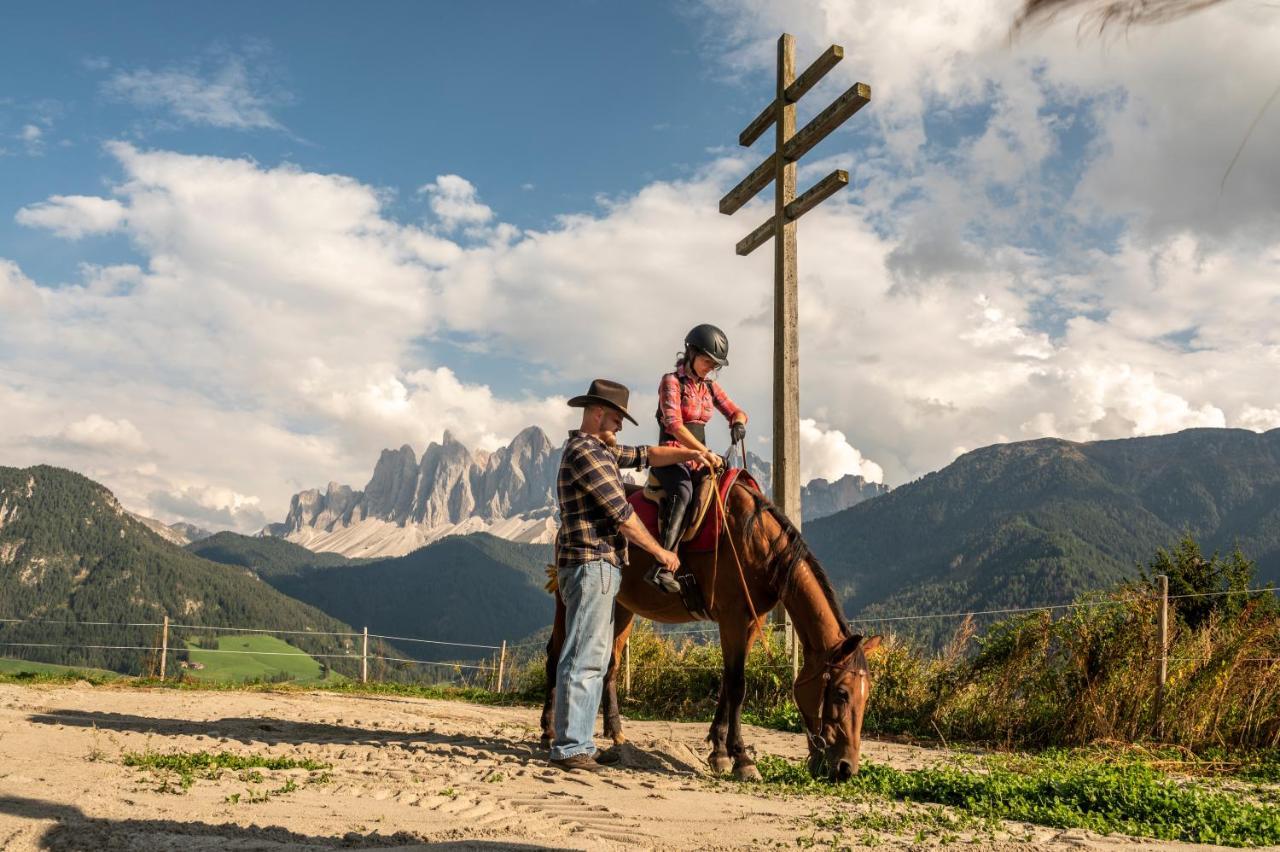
{"points": [[15, 667], [262, 658]]}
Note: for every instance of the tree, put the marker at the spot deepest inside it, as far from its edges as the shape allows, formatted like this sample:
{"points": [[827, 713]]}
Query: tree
{"points": [[1199, 587]]}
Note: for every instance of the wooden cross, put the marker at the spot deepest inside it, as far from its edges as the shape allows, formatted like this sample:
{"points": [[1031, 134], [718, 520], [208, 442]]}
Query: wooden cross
{"points": [[780, 168]]}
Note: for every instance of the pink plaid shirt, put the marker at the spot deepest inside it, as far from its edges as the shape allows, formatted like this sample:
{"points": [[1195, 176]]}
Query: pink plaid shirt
{"points": [[684, 398]]}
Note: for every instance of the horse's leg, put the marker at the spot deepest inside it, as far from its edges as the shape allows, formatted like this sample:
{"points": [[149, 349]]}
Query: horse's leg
{"points": [[622, 621], [734, 692], [720, 759], [554, 643]]}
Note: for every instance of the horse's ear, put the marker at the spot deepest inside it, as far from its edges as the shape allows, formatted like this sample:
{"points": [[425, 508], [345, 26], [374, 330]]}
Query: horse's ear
{"points": [[847, 647], [871, 644]]}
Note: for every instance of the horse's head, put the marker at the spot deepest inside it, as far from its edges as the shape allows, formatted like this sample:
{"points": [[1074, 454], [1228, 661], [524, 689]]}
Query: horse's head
{"points": [[832, 702]]}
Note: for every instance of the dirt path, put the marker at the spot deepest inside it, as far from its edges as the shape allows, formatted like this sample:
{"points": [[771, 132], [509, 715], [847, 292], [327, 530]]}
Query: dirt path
{"points": [[407, 773]]}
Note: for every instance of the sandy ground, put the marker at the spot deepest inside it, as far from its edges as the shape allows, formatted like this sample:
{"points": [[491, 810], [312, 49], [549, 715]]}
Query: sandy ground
{"points": [[407, 774]]}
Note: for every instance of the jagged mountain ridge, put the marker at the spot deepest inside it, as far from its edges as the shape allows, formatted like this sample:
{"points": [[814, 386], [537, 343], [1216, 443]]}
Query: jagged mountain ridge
{"points": [[410, 502], [820, 498], [510, 493]]}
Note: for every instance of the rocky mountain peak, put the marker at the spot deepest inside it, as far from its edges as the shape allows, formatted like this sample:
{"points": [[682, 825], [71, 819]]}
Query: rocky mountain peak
{"points": [[509, 491]]}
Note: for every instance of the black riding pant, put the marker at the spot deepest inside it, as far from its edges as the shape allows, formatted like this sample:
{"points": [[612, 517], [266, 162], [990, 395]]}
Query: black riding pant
{"points": [[677, 479]]}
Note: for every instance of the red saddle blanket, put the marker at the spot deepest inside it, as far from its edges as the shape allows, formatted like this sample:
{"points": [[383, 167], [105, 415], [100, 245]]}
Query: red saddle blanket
{"points": [[712, 522]]}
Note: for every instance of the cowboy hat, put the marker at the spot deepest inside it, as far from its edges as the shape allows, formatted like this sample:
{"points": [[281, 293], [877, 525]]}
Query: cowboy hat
{"points": [[605, 392]]}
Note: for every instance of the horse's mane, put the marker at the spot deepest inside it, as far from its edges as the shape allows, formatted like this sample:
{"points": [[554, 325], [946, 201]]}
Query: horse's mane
{"points": [[782, 564]]}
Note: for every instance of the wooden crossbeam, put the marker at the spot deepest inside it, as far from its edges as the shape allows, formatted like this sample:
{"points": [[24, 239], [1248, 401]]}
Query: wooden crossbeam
{"points": [[826, 121], [854, 99], [795, 92], [815, 195], [818, 193], [748, 187], [815, 72]]}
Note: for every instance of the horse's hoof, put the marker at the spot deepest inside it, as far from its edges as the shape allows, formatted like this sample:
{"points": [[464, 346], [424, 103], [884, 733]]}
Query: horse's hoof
{"points": [[746, 772], [544, 741], [720, 763]]}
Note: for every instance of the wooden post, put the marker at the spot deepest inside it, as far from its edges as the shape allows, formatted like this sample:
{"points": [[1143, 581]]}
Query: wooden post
{"points": [[626, 671], [164, 646], [780, 168], [502, 664], [364, 657], [786, 356], [1163, 673]]}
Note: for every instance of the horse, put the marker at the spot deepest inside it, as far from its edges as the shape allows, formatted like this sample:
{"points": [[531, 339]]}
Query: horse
{"points": [[760, 560]]}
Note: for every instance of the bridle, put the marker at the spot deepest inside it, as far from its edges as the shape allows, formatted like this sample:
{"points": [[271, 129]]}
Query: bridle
{"points": [[828, 672]]}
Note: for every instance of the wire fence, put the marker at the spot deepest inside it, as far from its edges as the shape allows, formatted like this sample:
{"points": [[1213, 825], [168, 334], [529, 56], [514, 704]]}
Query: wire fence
{"points": [[503, 654]]}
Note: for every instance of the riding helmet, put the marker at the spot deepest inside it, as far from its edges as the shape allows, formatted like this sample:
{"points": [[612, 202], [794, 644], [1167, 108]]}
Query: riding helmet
{"points": [[710, 341]]}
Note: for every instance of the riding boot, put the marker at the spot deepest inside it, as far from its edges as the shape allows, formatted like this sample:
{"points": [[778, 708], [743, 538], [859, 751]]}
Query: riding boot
{"points": [[677, 505]]}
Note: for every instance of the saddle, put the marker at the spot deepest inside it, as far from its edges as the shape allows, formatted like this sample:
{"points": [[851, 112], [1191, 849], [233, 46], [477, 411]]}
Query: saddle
{"points": [[703, 497], [706, 523]]}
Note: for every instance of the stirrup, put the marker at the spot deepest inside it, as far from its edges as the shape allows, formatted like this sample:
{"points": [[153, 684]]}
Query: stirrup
{"points": [[663, 580]]}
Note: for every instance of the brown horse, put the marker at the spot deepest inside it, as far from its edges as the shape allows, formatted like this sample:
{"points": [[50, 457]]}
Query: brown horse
{"points": [[832, 688]]}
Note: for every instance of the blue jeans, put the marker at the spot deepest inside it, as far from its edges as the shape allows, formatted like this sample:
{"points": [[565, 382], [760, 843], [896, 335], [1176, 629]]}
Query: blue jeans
{"points": [[588, 590]]}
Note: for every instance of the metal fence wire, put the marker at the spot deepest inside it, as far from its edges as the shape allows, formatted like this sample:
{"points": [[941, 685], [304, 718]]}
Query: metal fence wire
{"points": [[500, 651]]}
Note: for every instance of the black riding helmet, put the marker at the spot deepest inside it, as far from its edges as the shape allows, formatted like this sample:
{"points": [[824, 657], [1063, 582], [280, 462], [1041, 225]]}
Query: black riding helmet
{"points": [[710, 341]]}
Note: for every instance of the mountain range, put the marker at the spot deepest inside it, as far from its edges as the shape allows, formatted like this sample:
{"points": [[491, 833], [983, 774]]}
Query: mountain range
{"points": [[510, 493], [1040, 522], [1011, 525]]}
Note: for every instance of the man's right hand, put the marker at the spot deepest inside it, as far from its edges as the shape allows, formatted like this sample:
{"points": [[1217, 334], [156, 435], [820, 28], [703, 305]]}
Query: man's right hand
{"points": [[669, 560]]}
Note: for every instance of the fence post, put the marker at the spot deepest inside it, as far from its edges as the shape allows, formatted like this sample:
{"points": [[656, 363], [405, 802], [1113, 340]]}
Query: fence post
{"points": [[1163, 673], [502, 664], [626, 676], [364, 657], [164, 646]]}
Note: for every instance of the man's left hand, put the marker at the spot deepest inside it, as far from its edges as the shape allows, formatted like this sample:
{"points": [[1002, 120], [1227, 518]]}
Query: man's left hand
{"points": [[737, 432]]}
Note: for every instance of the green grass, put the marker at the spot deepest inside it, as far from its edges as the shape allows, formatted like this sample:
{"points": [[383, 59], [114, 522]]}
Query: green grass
{"points": [[187, 766], [15, 669], [262, 661], [1059, 790]]}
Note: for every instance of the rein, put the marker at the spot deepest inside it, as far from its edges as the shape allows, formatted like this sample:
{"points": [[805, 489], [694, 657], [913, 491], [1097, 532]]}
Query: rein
{"points": [[742, 577]]}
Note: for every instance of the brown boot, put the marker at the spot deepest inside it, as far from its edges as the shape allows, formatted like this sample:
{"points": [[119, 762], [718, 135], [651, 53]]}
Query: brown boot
{"points": [[576, 762]]}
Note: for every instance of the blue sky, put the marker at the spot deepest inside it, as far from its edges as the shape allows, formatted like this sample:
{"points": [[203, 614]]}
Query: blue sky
{"points": [[508, 93], [243, 247]]}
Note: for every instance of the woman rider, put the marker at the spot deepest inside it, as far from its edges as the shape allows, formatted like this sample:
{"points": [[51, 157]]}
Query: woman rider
{"points": [[686, 397]]}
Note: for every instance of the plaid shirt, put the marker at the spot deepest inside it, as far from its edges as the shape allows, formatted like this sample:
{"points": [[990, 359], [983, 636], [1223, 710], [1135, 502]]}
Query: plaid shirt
{"points": [[593, 502], [683, 398]]}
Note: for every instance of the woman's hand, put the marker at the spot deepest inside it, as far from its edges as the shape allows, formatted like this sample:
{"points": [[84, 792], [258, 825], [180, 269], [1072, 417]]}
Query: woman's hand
{"points": [[738, 431]]}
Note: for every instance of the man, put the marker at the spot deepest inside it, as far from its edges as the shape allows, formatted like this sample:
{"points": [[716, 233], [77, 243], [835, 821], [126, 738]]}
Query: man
{"points": [[596, 522]]}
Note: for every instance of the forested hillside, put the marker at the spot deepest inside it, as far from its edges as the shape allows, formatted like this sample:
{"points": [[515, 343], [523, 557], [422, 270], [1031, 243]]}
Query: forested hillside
{"points": [[266, 556], [1042, 521], [70, 554], [475, 589]]}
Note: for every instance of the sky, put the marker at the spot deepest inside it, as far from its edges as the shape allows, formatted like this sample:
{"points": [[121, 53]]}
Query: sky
{"points": [[245, 247]]}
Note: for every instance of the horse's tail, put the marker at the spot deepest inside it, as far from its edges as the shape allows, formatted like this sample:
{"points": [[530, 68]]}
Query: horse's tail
{"points": [[553, 580]]}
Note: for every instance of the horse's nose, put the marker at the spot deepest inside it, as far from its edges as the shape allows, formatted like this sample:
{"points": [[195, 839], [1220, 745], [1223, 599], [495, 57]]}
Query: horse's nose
{"points": [[844, 770]]}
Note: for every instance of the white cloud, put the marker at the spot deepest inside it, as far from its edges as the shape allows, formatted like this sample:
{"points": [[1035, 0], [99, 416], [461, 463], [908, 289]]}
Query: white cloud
{"points": [[271, 340], [18, 293], [827, 454], [1260, 419], [209, 506], [32, 139], [228, 95], [99, 433], [73, 216], [454, 202]]}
